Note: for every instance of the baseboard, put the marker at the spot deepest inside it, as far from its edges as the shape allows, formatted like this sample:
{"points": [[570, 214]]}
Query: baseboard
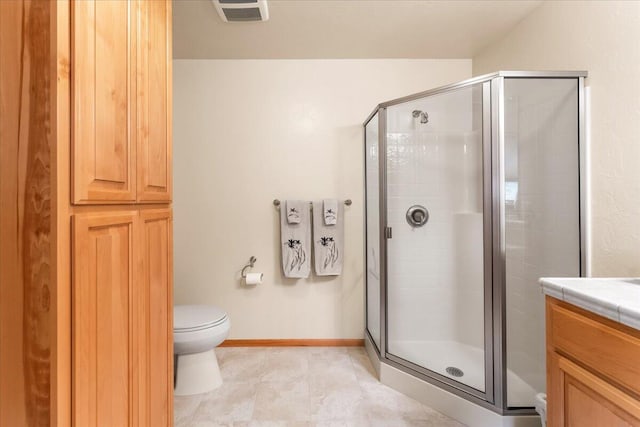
{"points": [[340, 342]]}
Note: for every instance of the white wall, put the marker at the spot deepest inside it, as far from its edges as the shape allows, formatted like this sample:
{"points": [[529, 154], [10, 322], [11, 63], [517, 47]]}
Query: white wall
{"points": [[246, 132], [602, 37]]}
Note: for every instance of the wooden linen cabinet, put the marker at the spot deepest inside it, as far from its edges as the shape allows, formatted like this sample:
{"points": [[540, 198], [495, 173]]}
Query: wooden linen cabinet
{"points": [[88, 185], [122, 258]]}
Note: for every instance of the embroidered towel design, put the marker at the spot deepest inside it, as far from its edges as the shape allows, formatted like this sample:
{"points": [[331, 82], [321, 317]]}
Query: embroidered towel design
{"points": [[330, 207], [328, 242], [295, 240], [294, 211], [332, 253], [296, 257]]}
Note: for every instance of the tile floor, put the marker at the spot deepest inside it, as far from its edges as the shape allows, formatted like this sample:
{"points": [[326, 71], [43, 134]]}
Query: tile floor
{"points": [[302, 386]]}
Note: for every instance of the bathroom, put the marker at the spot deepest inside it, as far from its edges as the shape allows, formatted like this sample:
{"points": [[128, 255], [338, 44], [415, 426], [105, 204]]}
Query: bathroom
{"points": [[471, 148], [293, 119]]}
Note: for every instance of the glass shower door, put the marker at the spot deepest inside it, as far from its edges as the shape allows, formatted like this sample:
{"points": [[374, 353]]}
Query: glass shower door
{"points": [[372, 226], [439, 242]]}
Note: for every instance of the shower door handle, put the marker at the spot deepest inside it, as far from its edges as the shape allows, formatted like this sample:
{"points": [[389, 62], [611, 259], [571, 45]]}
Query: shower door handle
{"points": [[388, 232]]}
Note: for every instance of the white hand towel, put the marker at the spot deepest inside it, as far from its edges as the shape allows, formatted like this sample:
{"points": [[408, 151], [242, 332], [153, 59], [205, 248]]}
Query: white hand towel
{"points": [[328, 242], [295, 242], [330, 211], [294, 210]]}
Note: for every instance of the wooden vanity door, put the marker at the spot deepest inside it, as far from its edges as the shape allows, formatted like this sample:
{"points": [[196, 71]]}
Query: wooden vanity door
{"points": [[103, 101], [154, 317], [587, 400], [103, 271]]}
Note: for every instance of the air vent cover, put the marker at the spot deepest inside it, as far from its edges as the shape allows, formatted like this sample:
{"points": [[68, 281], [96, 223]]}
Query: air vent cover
{"points": [[242, 10]]}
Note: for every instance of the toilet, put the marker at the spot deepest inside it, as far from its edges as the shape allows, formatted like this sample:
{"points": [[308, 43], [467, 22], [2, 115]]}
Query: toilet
{"points": [[197, 330]]}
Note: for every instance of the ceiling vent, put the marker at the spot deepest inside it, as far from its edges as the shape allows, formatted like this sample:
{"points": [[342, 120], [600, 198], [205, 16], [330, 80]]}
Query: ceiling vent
{"points": [[242, 10]]}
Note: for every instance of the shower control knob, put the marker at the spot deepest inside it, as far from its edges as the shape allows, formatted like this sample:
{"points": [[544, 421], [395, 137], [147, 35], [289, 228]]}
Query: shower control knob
{"points": [[417, 216]]}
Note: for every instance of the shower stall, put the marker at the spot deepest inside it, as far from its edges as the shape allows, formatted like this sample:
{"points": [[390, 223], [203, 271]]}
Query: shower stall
{"points": [[473, 191]]}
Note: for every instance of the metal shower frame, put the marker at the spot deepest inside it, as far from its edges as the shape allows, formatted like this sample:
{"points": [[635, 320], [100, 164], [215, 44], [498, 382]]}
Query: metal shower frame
{"points": [[495, 396]]}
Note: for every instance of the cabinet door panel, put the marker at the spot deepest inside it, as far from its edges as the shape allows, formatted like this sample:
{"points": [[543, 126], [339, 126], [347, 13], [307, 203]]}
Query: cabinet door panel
{"points": [[598, 344], [581, 399], [102, 128], [102, 335], [155, 312], [154, 101]]}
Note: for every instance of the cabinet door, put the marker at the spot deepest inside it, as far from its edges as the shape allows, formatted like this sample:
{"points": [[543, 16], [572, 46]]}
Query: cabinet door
{"points": [[103, 104], [154, 308], [103, 270], [154, 101], [579, 398]]}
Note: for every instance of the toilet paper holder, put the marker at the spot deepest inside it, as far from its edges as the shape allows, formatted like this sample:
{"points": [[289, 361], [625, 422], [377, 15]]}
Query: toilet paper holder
{"points": [[252, 261]]}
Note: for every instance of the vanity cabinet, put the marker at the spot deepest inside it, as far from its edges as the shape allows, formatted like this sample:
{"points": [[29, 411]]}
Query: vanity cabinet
{"points": [[593, 369], [121, 97]]}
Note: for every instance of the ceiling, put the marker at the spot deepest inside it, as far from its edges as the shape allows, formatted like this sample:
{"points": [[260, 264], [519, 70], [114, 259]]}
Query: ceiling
{"points": [[347, 29]]}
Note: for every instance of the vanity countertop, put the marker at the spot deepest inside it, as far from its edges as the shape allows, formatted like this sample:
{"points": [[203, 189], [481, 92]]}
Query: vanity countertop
{"points": [[617, 299]]}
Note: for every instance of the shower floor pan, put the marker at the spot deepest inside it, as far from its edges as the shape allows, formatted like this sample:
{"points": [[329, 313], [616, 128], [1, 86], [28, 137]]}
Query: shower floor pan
{"points": [[437, 356]]}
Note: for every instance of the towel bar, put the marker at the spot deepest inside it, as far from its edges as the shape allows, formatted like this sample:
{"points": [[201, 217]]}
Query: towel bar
{"points": [[276, 202]]}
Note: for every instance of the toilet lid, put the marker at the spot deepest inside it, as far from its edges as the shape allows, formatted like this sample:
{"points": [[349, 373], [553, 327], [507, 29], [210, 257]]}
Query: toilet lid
{"points": [[197, 317]]}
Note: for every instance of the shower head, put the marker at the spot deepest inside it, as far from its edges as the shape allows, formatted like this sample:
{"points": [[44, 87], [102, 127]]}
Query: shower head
{"points": [[424, 117]]}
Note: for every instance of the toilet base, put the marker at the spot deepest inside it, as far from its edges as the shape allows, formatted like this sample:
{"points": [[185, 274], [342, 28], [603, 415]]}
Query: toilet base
{"points": [[197, 373]]}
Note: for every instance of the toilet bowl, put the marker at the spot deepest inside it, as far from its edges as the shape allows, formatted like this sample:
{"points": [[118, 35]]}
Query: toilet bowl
{"points": [[197, 330]]}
